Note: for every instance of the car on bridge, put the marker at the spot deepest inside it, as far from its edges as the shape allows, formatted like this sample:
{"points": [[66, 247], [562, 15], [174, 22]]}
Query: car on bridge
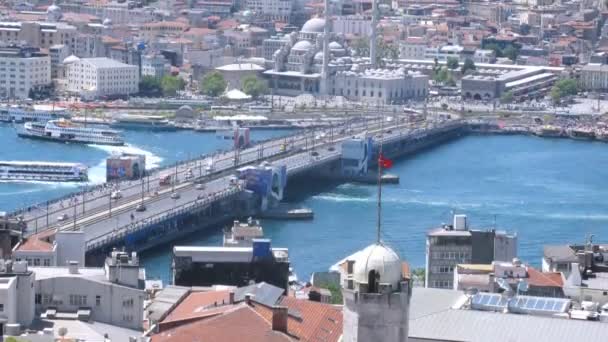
{"points": [[116, 195], [62, 217], [140, 207], [200, 186], [175, 195]]}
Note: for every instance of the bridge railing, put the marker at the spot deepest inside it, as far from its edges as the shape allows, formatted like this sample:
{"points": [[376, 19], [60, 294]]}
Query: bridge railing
{"points": [[123, 231]]}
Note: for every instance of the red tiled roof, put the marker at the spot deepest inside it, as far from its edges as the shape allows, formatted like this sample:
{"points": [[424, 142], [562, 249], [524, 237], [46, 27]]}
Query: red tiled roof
{"points": [[537, 278], [242, 323], [33, 244], [319, 321], [197, 304]]}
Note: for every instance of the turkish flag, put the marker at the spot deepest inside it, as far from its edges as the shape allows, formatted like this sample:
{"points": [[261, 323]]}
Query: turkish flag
{"points": [[384, 162]]}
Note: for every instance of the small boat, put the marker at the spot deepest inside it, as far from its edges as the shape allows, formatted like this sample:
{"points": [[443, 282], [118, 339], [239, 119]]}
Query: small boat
{"points": [[581, 133], [42, 171], [66, 131], [39, 113], [550, 131]]}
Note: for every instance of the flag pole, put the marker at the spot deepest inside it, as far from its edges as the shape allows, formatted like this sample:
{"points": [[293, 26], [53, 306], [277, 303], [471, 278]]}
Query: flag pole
{"points": [[379, 223]]}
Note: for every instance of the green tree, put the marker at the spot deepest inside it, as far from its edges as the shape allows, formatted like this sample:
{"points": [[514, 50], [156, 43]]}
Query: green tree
{"points": [[507, 97], [450, 80], [441, 75], [171, 84], [562, 88], [468, 65], [336, 292], [150, 86], [452, 63], [213, 84], [361, 47], [510, 52], [254, 86], [384, 50]]}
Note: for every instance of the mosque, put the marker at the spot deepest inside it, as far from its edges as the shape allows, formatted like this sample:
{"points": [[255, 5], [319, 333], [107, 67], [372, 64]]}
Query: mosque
{"points": [[319, 62]]}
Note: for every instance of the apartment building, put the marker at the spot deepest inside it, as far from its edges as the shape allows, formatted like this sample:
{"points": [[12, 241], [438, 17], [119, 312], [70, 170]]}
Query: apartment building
{"points": [[450, 245], [23, 69], [96, 77]]}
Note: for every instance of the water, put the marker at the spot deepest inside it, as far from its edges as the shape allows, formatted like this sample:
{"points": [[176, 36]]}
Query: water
{"points": [[547, 190], [161, 149]]}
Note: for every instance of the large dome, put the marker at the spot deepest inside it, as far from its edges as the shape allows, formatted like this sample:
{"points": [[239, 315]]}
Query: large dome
{"points": [[381, 259], [314, 25], [302, 45]]}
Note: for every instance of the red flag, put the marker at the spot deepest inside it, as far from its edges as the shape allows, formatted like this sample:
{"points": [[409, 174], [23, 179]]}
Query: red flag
{"points": [[385, 162]]}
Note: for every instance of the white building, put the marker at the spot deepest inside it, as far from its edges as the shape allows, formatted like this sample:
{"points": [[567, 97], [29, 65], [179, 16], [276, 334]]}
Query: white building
{"points": [[58, 53], [279, 10], [413, 48], [96, 77], [594, 77], [113, 294], [38, 250], [155, 65], [16, 296], [484, 56], [380, 86], [444, 52], [22, 69], [352, 24]]}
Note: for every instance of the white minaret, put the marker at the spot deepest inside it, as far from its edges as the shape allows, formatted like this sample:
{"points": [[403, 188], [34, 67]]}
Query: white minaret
{"points": [[324, 70], [372, 44]]}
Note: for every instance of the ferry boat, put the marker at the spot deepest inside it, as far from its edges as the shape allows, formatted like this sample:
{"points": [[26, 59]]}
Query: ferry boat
{"points": [[550, 131], [66, 131], [602, 135], [242, 234], [581, 133], [40, 113], [143, 122], [42, 171]]}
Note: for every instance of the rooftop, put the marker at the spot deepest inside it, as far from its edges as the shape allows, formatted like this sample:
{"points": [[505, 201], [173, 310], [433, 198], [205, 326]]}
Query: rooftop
{"points": [[106, 63]]}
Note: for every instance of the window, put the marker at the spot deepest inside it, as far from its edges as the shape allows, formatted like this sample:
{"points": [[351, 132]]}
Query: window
{"points": [[98, 300], [1, 307], [38, 298], [47, 262], [78, 300], [127, 302]]}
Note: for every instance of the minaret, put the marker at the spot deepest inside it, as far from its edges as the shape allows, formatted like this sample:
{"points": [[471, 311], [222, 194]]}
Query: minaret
{"points": [[372, 44], [324, 70]]}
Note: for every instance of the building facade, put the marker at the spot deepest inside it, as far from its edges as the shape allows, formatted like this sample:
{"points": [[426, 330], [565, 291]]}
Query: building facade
{"points": [[594, 77], [96, 77], [276, 10], [21, 70], [38, 34], [450, 245], [16, 296], [155, 65], [380, 86]]}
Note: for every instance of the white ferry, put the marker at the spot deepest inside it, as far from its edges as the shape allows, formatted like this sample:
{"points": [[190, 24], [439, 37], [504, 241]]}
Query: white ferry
{"points": [[42, 171], [66, 131], [41, 113]]}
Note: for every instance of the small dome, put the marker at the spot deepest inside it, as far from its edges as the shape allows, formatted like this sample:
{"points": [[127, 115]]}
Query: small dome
{"points": [[381, 259], [53, 9], [302, 45], [247, 13], [107, 22], [71, 59], [335, 46], [319, 56], [314, 25]]}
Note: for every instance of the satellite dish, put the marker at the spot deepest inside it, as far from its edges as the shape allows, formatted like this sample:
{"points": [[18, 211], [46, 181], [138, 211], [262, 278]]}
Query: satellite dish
{"points": [[503, 284], [522, 286]]}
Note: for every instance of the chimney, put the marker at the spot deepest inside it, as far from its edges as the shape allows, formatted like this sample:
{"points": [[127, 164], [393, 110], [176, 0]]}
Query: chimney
{"points": [[231, 297], [248, 298], [73, 267], [279, 318]]}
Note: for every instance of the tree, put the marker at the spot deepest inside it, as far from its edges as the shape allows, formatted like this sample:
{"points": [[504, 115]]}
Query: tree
{"points": [[510, 52], [468, 65], [150, 86], [507, 97], [450, 80], [171, 84], [562, 88], [441, 76], [254, 86], [213, 84], [452, 63], [361, 47], [384, 50]]}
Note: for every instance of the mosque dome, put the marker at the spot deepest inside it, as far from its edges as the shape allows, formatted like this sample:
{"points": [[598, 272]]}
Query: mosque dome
{"points": [[107, 22], [319, 56], [314, 25], [53, 9], [71, 59], [302, 45], [335, 46], [381, 259]]}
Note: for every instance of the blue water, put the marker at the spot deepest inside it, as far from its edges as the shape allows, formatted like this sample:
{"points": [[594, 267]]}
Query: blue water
{"points": [[161, 149], [546, 190]]}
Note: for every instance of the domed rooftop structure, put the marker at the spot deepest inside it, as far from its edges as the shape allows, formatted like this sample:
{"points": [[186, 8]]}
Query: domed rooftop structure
{"points": [[335, 46], [302, 45], [53, 12], [381, 259], [319, 56], [53, 8], [314, 25], [71, 59], [107, 22]]}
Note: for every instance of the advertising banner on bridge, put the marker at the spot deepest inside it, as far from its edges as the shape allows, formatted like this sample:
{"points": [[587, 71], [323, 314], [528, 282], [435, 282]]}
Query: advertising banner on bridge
{"points": [[256, 180], [125, 167]]}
